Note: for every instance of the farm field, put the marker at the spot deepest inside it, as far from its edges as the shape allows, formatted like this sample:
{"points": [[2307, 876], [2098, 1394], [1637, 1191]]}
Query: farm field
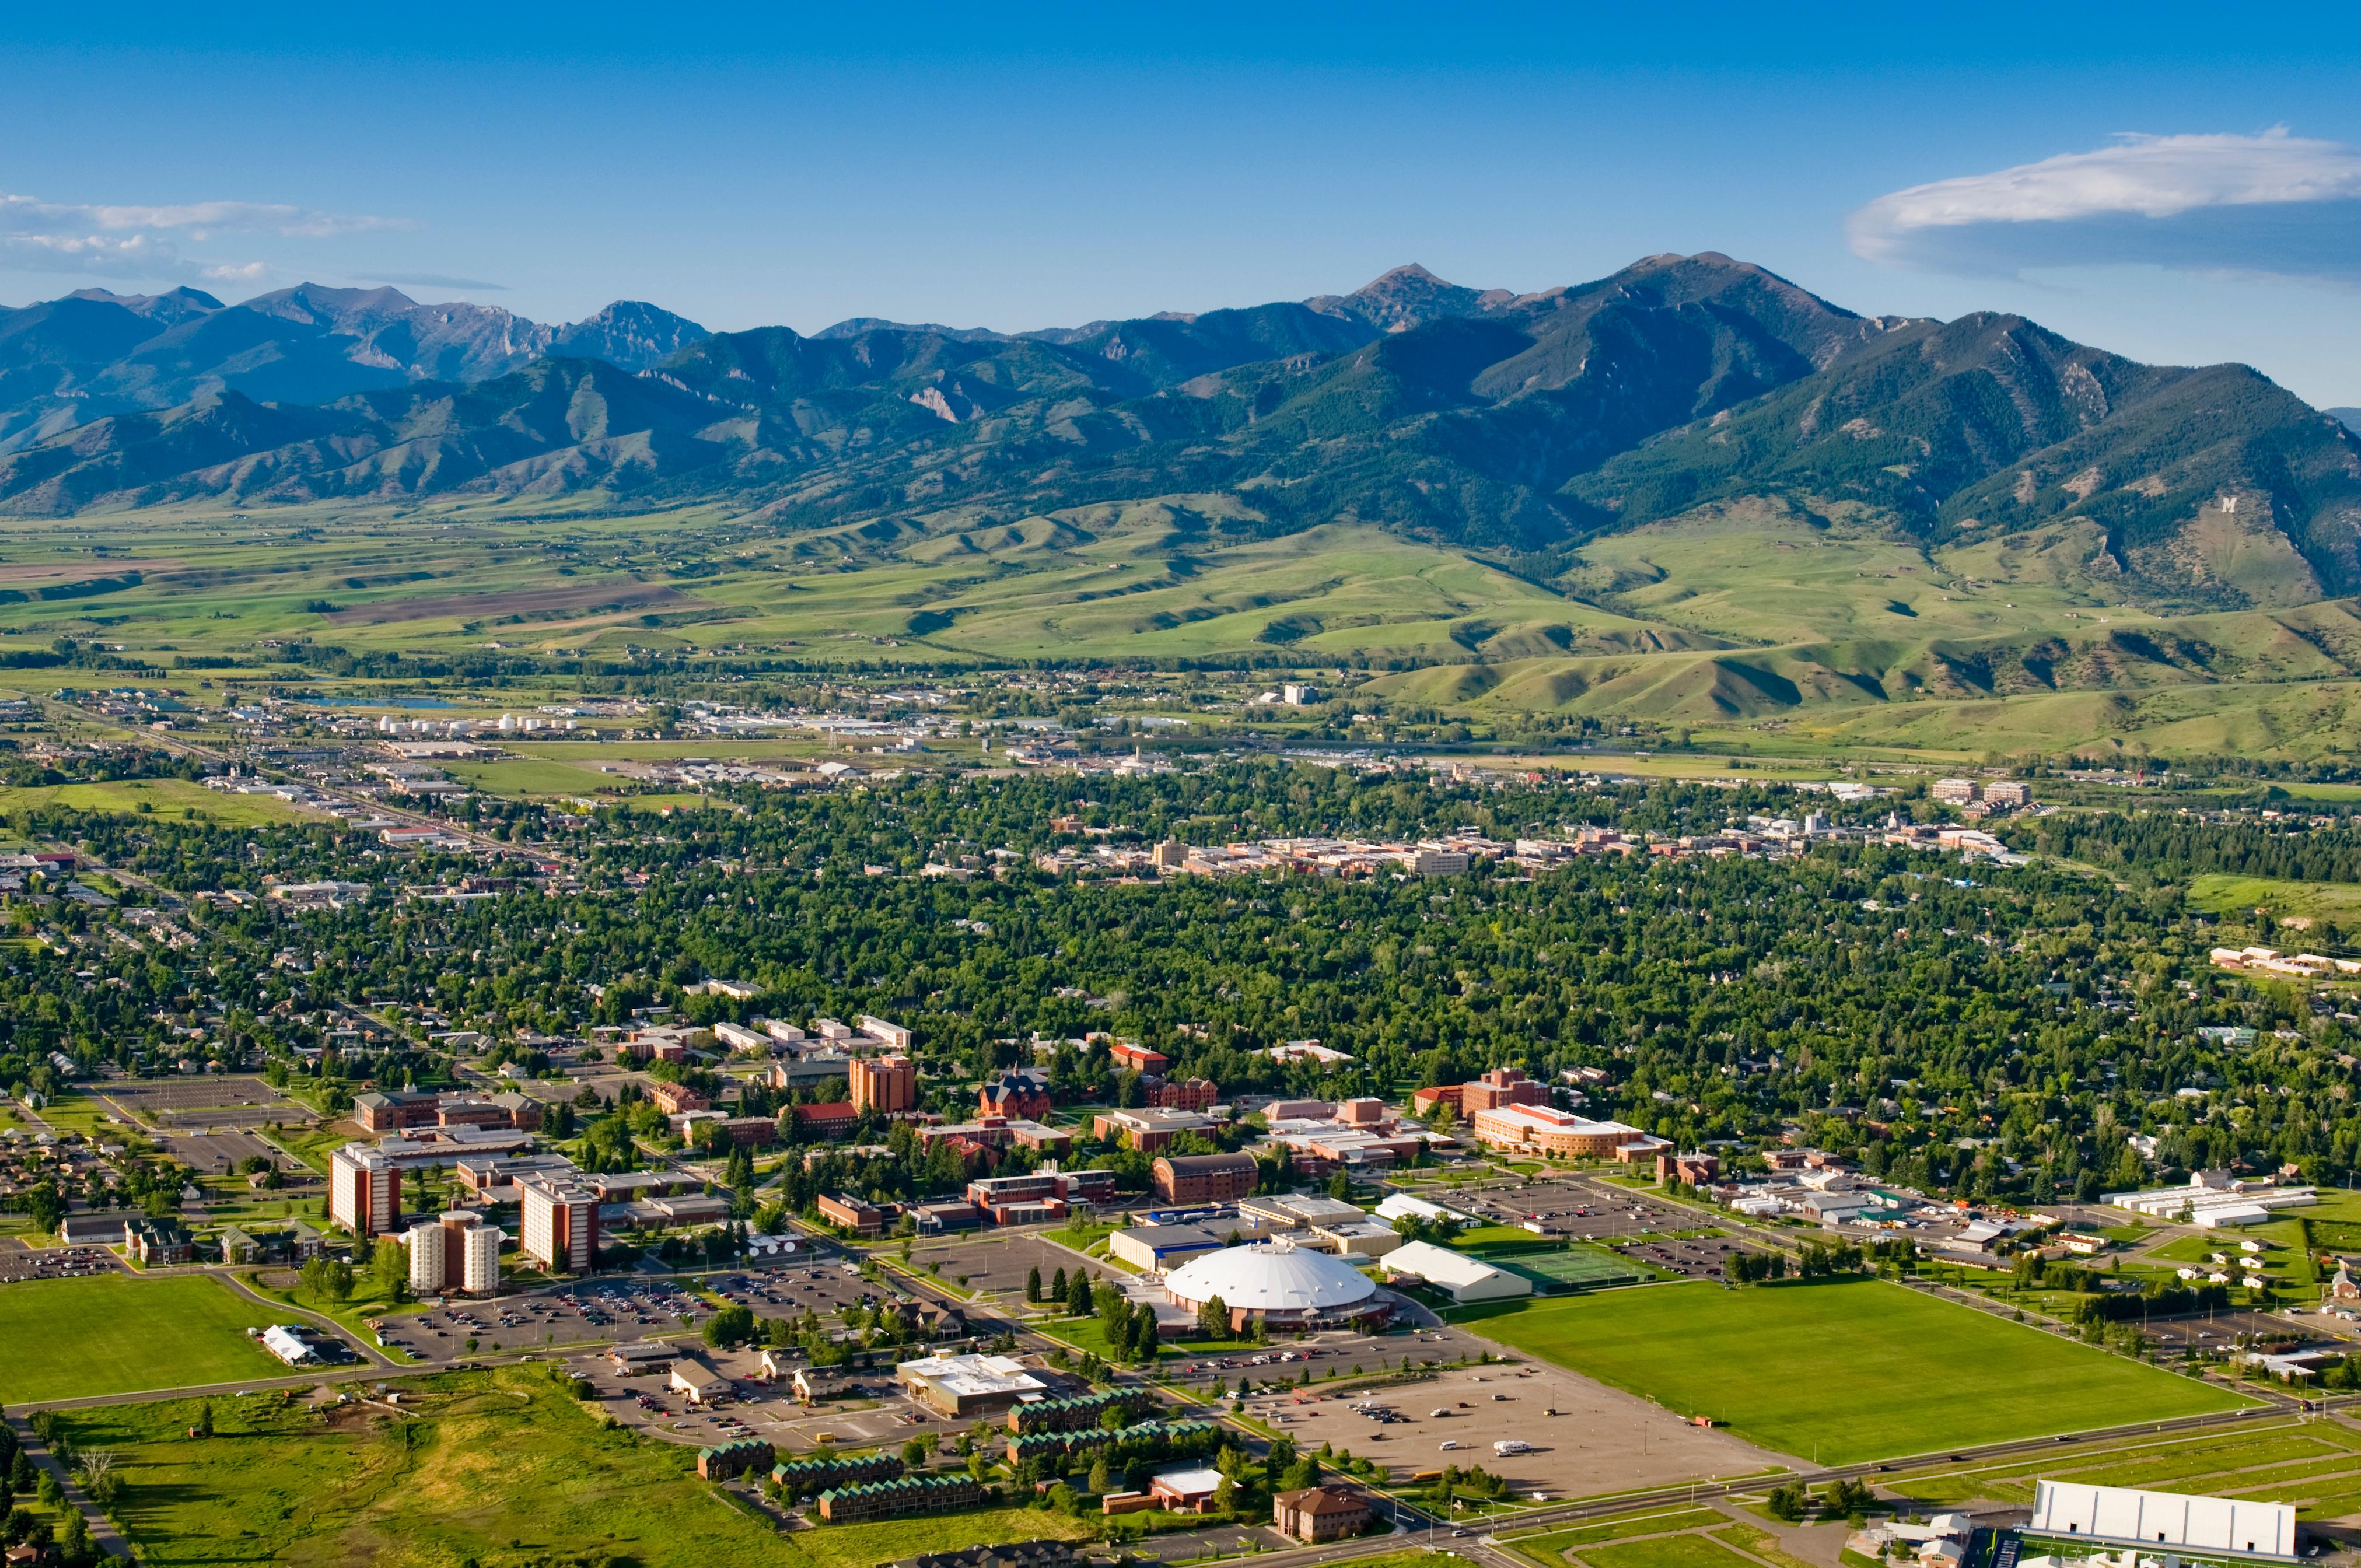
{"points": [[2315, 1465], [112, 1334], [500, 1467], [1846, 1370]]}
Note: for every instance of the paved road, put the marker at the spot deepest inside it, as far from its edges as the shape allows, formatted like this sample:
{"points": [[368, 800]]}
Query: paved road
{"points": [[101, 1529]]}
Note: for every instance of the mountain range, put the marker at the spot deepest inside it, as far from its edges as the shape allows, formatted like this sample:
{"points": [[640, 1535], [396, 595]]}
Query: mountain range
{"points": [[94, 354], [1513, 425]]}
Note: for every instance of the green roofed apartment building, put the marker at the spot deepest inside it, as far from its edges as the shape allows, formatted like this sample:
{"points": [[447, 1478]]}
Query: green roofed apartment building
{"points": [[910, 1496]]}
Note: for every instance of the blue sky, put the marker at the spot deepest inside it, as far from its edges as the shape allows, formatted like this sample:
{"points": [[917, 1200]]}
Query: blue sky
{"points": [[1053, 165]]}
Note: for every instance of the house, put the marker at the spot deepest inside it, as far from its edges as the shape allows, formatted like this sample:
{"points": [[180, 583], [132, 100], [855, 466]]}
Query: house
{"points": [[1321, 1513]]}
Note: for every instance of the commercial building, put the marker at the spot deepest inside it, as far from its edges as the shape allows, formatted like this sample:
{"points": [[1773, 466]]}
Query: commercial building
{"points": [[1158, 1248], [1502, 1086], [965, 1385], [2163, 1524], [1130, 1056], [364, 1190], [835, 1119], [1287, 1289], [1204, 1177], [1560, 1134], [1463, 1278], [1039, 1197], [2213, 1200], [882, 1084], [851, 1213], [1019, 1093], [1321, 1513], [695, 1380], [455, 1251], [560, 1224], [1184, 1094], [1189, 1489], [673, 1099]]}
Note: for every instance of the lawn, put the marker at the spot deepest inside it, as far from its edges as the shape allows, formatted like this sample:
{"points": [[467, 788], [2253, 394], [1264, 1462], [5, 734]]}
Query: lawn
{"points": [[501, 1468], [2316, 1467], [1665, 1551], [109, 1334], [1847, 1370]]}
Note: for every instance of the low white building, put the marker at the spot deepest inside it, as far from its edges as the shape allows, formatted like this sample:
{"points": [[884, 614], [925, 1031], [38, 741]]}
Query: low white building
{"points": [[2117, 1516], [1463, 1278]]}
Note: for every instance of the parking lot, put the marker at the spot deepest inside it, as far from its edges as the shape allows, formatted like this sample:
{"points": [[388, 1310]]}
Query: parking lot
{"points": [[19, 1261], [215, 1153], [611, 1311], [236, 1101], [999, 1260], [1338, 1353], [1586, 1437]]}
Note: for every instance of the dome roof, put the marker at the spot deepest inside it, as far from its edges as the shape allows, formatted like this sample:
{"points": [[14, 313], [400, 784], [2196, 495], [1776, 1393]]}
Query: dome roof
{"points": [[1274, 1278]]}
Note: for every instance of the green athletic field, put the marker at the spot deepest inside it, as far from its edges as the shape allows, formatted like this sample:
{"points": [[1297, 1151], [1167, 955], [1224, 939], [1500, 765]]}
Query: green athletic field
{"points": [[1847, 1370], [114, 1334]]}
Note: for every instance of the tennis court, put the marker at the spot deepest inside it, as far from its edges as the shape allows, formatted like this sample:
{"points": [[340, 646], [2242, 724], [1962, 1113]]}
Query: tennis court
{"points": [[1578, 1268]]}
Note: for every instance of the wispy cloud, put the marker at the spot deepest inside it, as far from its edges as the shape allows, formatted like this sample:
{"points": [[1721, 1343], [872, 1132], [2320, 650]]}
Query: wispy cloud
{"points": [[2272, 204], [147, 241]]}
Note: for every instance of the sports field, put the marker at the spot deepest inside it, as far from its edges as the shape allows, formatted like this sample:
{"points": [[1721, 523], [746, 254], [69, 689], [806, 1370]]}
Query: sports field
{"points": [[1847, 1370], [115, 1334]]}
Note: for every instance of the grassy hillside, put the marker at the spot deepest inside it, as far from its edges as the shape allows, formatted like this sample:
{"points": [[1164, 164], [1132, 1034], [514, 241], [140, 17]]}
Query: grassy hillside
{"points": [[1768, 623]]}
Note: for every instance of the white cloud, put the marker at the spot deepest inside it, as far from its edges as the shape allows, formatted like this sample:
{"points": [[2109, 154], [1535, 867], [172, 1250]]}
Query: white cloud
{"points": [[2270, 204], [144, 242]]}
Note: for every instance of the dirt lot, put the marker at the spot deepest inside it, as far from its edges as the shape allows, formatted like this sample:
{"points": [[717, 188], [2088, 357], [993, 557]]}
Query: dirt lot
{"points": [[1598, 1440]]}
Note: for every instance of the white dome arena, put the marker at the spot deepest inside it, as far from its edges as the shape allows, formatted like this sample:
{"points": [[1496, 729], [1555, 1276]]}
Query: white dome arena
{"points": [[1277, 1281]]}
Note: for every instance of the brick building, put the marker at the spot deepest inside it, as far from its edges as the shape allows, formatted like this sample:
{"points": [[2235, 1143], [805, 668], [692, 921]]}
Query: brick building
{"points": [[1204, 1177]]}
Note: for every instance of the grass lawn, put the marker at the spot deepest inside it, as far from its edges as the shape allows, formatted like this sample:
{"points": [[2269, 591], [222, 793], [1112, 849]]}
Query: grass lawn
{"points": [[1847, 1370], [1549, 1544], [500, 1467], [1665, 1551], [108, 1335], [2316, 1467], [2219, 893]]}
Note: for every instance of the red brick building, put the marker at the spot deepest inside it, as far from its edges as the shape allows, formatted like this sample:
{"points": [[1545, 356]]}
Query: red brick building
{"points": [[1204, 1177]]}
